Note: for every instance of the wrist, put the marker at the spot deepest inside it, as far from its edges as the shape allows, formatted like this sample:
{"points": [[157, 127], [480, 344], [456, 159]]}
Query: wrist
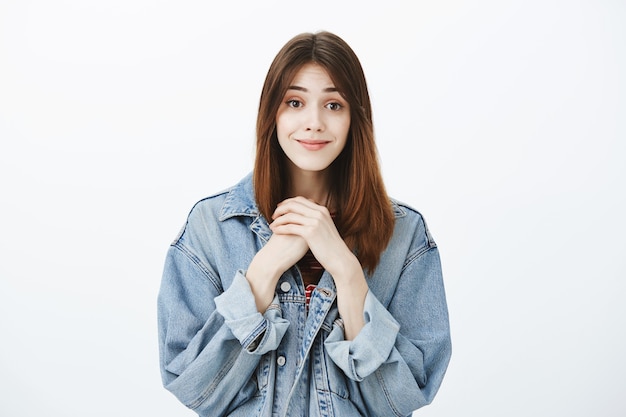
{"points": [[348, 270], [352, 290], [262, 277], [261, 270]]}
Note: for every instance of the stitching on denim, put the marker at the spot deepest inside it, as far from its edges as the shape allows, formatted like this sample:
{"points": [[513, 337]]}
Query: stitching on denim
{"points": [[396, 206], [352, 365], [263, 376], [431, 241], [273, 307], [218, 378], [381, 381], [326, 390], [255, 333], [319, 365], [416, 255], [229, 210], [292, 298], [205, 269]]}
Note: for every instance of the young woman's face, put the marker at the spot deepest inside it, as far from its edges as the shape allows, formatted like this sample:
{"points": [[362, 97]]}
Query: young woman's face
{"points": [[313, 120]]}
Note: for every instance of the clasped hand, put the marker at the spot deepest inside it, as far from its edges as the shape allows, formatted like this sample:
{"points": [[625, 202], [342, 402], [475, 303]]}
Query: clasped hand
{"points": [[303, 225], [299, 225]]}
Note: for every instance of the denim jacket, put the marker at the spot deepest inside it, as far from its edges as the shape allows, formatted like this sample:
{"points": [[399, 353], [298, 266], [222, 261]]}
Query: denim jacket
{"points": [[221, 357]]}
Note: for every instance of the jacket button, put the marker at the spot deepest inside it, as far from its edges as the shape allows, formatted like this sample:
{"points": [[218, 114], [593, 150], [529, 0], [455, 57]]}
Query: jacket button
{"points": [[281, 360], [285, 286]]}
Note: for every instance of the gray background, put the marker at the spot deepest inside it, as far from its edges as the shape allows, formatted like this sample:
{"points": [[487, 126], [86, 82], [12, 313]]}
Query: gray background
{"points": [[501, 121]]}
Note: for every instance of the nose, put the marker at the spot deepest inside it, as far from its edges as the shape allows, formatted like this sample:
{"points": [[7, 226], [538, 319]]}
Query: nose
{"points": [[314, 120]]}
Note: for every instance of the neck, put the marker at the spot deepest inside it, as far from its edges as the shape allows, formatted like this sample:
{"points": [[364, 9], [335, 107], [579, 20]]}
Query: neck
{"points": [[313, 185]]}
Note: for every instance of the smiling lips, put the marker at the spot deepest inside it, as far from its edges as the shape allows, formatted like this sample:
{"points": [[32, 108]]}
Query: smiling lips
{"points": [[312, 144]]}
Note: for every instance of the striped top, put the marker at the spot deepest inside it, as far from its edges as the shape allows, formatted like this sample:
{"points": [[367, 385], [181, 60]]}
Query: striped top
{"points": [[311, 271], [308, 291]]}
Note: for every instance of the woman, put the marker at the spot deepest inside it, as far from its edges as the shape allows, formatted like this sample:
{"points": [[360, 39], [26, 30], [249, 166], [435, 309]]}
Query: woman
{"points": [[305, 290]]}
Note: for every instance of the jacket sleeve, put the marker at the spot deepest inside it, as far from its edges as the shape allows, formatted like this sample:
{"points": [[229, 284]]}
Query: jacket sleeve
{"points": [[210, 342], [399, 358]]}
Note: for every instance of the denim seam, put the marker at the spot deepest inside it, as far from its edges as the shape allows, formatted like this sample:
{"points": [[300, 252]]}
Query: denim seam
{"points": [[273, 307], [291, 298], [193, 258], [381, 381], [255, 333], [416, 255], [218, 378], [323, 366], [352, 365], [321, 362]]}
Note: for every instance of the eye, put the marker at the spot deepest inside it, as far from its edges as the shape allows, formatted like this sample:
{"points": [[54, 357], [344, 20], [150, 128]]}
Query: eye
{"points": [[294, 103], [334, 106]]}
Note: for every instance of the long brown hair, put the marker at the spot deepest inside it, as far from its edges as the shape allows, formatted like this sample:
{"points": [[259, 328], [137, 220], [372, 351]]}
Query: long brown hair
{"points": [[364, 216]]}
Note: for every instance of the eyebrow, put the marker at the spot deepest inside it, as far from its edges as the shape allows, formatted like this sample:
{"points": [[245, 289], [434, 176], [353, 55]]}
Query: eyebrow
{"points": [[298, 88]]}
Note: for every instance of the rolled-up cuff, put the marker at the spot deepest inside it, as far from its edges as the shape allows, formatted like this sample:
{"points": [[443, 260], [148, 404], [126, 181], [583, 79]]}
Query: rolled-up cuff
{"points": [[360, 357], [257, 333]]}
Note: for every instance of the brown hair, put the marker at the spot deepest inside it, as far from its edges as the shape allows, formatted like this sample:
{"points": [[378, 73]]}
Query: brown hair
{"points": [[364, 216]]}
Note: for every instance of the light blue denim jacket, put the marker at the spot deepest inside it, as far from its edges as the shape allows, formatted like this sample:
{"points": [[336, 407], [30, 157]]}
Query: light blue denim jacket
{"points": [[221, 357]]}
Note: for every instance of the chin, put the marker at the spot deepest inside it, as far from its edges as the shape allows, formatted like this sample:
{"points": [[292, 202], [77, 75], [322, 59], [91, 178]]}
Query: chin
{"points": [[310, 166]]}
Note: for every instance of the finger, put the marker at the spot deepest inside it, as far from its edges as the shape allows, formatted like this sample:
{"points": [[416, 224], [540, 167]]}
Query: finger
{"points": [[301, 206], [289, 229], [292, 218], [292, 207], [305, 202]]}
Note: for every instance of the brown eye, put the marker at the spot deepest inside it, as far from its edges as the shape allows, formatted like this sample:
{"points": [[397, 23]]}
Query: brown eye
{"points": [[294, 103], [334, 106]]}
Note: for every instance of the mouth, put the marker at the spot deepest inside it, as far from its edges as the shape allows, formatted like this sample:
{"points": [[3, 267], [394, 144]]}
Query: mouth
{"points": [[312, 144]]}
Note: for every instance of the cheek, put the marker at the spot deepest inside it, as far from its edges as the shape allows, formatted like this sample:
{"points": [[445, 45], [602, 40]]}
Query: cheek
{"points": [[283, 132], [282, 126], [345, 129]]}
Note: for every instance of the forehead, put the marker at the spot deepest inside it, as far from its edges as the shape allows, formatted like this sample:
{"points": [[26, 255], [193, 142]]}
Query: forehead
{"points": [[312, 74]]}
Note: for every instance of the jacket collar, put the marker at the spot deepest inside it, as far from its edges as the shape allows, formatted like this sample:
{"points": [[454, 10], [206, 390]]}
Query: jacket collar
{"points": [[240, 200]]}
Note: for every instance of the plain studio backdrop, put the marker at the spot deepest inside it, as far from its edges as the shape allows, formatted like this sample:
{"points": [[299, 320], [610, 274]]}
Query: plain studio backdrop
{"points": [[503, 122]]}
